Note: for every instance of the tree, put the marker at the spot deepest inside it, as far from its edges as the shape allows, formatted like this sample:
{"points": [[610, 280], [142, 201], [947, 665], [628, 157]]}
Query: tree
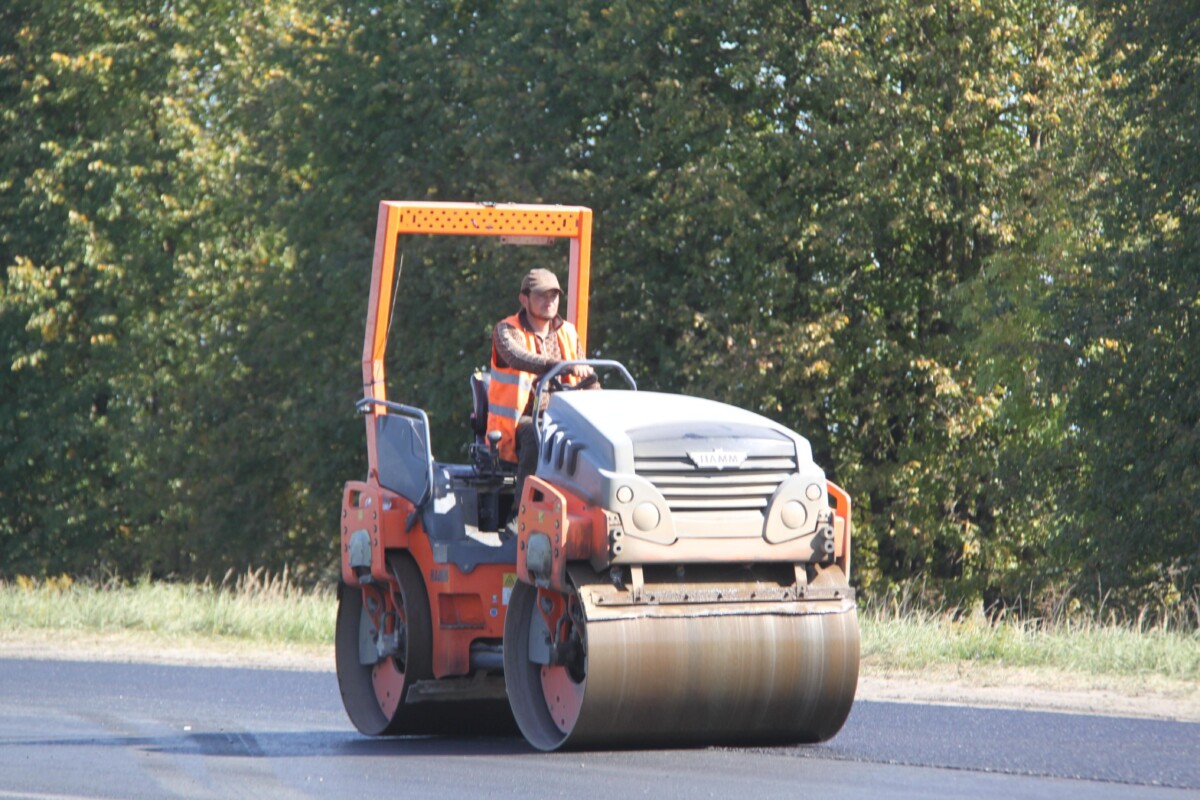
{"points": [[947, 242], [1129, 321]]}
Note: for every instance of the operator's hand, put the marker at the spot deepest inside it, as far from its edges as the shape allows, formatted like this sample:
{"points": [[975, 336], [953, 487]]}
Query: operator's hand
{"points": [[587, 377], [582, 371]]}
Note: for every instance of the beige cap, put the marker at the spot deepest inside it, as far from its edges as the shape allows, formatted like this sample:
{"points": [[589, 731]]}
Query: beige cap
{"points": [[540, 280]]}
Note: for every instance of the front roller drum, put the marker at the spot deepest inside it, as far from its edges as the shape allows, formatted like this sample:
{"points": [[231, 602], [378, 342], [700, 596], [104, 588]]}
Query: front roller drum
{"points": [[703, 674]]}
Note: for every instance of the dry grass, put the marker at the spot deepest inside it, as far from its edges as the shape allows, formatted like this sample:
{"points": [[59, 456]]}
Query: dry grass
{"points": [[255, 606], [900, 632]]}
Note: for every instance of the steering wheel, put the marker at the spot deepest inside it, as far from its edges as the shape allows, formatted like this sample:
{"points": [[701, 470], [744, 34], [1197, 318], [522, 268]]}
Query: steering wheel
{"points": [[556, 384]]}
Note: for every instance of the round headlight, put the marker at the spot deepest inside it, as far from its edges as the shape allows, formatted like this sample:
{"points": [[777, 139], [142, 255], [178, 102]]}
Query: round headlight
{"points": [[646, 517], [794, 514]]}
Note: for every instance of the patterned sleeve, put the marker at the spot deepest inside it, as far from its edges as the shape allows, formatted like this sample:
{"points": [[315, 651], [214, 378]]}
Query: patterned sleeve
{"points": [[510, 345]]}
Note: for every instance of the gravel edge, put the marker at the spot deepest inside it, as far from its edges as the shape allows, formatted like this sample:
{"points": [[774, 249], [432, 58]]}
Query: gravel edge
{"points": [[1152, 697]]}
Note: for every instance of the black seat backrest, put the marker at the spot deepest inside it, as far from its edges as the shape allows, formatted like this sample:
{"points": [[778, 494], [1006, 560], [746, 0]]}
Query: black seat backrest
{"points": [[479, 399]]}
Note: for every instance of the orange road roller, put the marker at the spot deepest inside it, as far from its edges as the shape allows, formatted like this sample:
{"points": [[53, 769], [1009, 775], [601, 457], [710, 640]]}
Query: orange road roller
{"points": [[679, 572]]}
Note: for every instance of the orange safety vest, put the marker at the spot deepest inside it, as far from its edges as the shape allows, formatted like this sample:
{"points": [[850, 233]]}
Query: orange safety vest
{"points": [[509, 389]]}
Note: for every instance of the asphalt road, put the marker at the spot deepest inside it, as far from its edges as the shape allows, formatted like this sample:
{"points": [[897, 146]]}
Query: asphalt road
{"points": [[105, 730]]}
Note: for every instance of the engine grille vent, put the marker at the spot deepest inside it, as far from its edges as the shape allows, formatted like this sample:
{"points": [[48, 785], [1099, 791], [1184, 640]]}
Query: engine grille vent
{"points": [[689, 489]]}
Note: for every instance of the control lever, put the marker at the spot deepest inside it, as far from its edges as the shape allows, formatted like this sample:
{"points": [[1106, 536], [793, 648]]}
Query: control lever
{"points": [[493, 440]]}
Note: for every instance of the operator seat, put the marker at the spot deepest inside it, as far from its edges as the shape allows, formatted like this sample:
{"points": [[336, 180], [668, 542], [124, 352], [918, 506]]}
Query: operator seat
{"points": [[482, 457], [480, 379]]}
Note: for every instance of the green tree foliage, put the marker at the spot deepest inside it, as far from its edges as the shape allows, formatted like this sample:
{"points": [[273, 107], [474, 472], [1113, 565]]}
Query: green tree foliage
{"points": [[140, 300], [805, 207], [947, 124], [949, 242], [85, 171], [1130, 325]]}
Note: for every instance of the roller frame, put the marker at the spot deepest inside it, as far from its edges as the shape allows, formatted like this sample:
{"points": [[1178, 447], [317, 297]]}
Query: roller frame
{"points": [[606, 631]]}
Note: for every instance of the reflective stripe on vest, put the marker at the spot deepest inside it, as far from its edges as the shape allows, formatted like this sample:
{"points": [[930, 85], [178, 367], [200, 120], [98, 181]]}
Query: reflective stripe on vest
{"points": [[509, 389], [498, 399]]}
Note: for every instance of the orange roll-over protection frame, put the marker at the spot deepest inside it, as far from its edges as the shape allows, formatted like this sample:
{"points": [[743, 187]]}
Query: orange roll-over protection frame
{"points": [[508, 220]]}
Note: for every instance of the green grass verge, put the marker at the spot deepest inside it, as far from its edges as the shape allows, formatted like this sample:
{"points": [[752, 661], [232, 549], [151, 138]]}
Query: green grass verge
{"points": [[900, 634], [259, 608], [914, 645], [254, 608]]}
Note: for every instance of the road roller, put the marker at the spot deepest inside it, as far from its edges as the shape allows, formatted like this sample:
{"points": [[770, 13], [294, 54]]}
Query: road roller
{"points": [[678, 575]]}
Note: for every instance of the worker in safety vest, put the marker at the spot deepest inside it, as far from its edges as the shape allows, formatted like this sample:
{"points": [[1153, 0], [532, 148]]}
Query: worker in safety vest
{"points": [[525, 345]]}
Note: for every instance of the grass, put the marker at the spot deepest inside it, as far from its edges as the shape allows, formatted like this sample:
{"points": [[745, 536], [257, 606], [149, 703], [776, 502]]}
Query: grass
{"points": [[901, 633], [270, 610], [255, 607], [920, 641]]}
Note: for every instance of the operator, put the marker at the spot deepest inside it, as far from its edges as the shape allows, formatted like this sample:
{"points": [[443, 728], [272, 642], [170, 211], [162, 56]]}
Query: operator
{"points": [[524, 346]]}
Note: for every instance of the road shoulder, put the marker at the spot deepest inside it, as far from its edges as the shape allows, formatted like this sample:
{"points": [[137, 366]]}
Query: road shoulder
{"points": [[1152, 696]]}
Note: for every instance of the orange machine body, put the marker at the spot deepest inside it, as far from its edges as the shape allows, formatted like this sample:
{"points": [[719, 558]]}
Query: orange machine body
{"points": [[466, 606], [679, 569]]}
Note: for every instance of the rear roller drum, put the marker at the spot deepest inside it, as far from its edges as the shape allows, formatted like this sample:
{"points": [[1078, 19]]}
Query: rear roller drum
{"points": [[376, 618], [376, 688]]}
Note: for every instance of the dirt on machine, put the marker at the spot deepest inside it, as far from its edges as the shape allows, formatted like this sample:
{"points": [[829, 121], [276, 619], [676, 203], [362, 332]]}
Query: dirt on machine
{"points": [[679, 575]]}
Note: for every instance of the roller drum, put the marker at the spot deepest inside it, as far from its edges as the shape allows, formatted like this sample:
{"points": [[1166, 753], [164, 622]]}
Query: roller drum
{"points": [[734, 673], [379, 696]]}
